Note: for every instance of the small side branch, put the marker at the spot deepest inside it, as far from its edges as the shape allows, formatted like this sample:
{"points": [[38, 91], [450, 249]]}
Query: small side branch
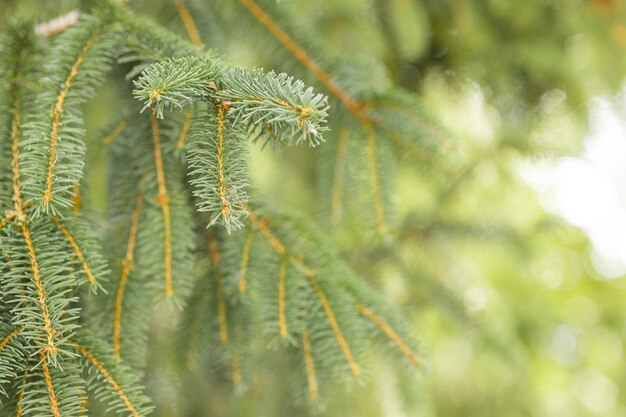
{"points": [[8, 338], [245, 257], [310, 367], [301, 55], [190, 26], [221, 187], [108, 377], [127, 266], [54, 403], [115, 132], [262, 225], [77, 251], [180, 144], [335, 326], [385, 328], [51, 348], [56, 118], [221, 301], [163, 200]]}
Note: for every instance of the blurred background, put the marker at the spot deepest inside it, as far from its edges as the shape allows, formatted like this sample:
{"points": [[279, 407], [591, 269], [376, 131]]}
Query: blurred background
{"points": [[510, 261]]}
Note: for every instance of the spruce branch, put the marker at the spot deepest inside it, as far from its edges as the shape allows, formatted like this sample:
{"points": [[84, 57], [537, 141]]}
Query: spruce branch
{"points": [[175, 83], [52, 149], [217, 166], [112, 383], [277, 103]]}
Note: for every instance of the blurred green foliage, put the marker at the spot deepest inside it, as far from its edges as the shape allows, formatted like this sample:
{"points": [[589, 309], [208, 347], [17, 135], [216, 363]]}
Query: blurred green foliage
{"points": [[514, 319]]}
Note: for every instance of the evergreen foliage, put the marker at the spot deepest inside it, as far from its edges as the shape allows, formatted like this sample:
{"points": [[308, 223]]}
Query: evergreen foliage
{"points": [[270, 275], [147, 269]]}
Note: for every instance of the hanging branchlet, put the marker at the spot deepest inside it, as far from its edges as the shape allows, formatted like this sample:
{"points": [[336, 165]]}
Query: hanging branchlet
{"points": [[216, 159], [12, 357], [52, 150], [112, 383]]}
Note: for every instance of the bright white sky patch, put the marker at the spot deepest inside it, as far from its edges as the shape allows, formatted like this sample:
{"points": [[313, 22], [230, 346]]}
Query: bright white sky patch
{"points": [[590, 191]]}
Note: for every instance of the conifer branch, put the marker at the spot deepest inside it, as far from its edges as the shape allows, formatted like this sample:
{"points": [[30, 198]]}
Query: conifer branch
{"points": [[301, 55], [107, 376], [190, 26], [15, 159], [51, 348], [312, 275], [180, 143], [12, 357], [218, 168], [276, 104], [77, 251], [127, 266], [54, 407], [163, 200], [310, 366], [8, 338], [385, 328], [119, 128], [214, 255], [175, 83], [76, 199], [245, 257], [221, 188], [20, 397], [262, 225], [354, 367], [57, 113]]}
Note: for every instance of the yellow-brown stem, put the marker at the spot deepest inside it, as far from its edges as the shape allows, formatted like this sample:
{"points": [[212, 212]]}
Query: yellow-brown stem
{"points": [[221, 185], [312, 275], [310, 368], [41, 294], [282, 277], [8, 338], [180, 144], [302, 56], [190, 26], [77, 251], [15, 159], [115, 132], [108, 377], [76, 199], [214, 255], [385, 328], [245, 257], [262, 225], [56, 118], [163, 200], [54, 406], [335, 326], [20, 398], [127, 266]]}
